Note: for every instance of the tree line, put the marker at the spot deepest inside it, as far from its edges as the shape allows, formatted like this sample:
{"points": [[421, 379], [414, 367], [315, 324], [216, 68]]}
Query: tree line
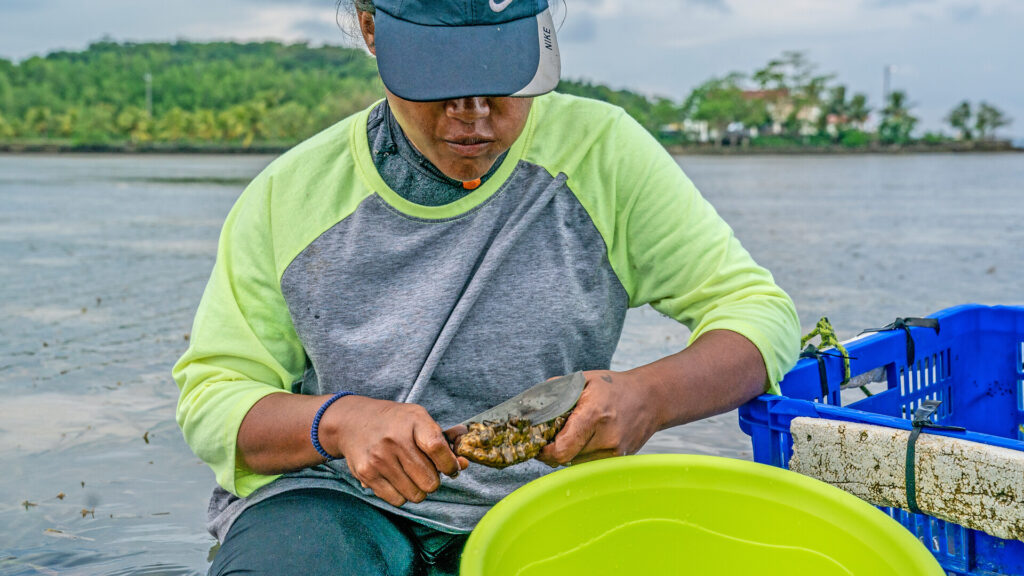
{"points": [[217, 92], [789, 102], [273, 94]]}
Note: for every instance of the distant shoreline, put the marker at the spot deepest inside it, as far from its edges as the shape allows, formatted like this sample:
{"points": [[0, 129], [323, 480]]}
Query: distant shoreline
{"points": [[840, 150], [13, 148], [159, 148]]}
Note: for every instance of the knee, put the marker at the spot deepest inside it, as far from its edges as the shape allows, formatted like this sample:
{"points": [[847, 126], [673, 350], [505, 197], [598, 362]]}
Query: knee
{"points": [[314, 532]]}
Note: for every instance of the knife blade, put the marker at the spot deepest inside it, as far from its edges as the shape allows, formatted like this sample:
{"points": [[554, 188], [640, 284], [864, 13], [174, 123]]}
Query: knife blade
{"points": [[539, 403]]}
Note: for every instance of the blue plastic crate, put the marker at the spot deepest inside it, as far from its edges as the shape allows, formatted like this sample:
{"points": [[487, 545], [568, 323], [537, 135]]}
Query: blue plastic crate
{"points": [[974, 365]]}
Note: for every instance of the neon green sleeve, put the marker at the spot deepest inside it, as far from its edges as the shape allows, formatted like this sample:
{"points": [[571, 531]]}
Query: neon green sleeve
{"points": [[243, 345], [670, 248], [685, 261]]}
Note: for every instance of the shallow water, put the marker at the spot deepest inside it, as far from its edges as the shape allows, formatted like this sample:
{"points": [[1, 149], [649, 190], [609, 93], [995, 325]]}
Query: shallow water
{"points": [[104, 259]]}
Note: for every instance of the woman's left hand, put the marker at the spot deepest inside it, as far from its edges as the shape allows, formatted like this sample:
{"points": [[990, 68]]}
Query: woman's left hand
{"points": [[615, 416]]}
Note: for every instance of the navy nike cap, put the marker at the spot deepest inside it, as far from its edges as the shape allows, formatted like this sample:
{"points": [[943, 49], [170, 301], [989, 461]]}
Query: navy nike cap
{"points": [[443, 49]]}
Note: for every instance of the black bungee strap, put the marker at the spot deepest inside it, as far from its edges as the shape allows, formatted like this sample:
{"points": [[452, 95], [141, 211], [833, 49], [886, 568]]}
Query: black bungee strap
{"points": [[906, 324], [812, 351], [922, 420]]}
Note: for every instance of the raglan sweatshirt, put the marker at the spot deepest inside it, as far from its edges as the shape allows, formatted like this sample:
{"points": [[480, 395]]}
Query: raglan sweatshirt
{"points": [[328, 280]]}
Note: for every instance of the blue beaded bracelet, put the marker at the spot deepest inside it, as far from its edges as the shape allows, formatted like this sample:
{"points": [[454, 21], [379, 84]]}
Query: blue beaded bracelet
{"points": [[314, 431]]}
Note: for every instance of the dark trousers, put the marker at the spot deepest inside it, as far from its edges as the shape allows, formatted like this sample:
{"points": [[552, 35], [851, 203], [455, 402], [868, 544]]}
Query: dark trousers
{"points": [[314, 532]]}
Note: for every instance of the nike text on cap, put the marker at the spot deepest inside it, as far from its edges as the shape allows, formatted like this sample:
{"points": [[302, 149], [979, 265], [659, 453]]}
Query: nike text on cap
{"points": [[443, 49]]}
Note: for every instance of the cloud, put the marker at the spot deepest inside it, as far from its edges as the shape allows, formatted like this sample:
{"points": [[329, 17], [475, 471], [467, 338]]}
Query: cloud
{"points": [[22, 5], [323, 3], [716, 5], [948, 50], [579, 29], [965, 11], [896, 3], [317, 29]]}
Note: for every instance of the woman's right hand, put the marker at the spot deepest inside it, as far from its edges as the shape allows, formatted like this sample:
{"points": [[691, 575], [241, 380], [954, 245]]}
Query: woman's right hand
{"points": [[395, 449]]}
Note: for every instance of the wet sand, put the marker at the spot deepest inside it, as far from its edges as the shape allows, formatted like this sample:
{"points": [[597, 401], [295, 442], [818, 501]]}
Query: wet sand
{"points": [[105, 258]]}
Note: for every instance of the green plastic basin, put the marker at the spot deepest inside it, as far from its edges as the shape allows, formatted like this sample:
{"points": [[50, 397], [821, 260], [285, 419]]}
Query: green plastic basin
{"points": [[681, 514]]}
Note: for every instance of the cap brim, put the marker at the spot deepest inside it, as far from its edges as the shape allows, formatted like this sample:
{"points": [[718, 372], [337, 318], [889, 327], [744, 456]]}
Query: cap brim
{"points": [[422, 63]]}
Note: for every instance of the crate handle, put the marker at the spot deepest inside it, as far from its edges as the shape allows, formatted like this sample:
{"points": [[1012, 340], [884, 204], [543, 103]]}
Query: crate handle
{"points": [[906, 324], [922, 420]]}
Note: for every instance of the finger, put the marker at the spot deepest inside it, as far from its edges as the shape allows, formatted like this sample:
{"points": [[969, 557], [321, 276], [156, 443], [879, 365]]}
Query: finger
{"points": [[386, 492], [399, 477], [420, 471], [432, 442], [569, 442], [369, 476], [463, 462], [595, 455], [453, 433]]}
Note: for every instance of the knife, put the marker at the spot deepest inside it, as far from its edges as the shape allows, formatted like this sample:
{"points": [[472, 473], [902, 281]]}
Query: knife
{"points": [[539, 403]]}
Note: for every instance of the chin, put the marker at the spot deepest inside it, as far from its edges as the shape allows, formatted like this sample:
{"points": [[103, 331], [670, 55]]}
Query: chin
{"points": [[467, 173]]}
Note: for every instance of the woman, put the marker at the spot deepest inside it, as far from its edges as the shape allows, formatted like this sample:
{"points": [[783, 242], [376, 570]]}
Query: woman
{"points": [[428, 258]]}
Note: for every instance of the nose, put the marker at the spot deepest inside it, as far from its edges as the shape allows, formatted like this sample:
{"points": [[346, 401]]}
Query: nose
{"points": [[468, 110]]}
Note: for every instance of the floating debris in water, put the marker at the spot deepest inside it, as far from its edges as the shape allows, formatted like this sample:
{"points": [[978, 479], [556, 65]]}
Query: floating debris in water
{"points": [[187, 336], [160, 514], [146, 436], [84, 309], [88, 512], [28, 504], [83, 483], [60, 496], [61, 534], [125, 516], [98, 300], [45, 345]]}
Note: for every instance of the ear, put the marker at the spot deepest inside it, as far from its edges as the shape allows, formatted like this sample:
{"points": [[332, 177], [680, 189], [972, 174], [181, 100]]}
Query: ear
{"points": [[367, 28]]}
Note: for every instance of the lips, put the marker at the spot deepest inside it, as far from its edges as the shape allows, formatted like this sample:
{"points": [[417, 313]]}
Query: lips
{"points": [[469, 145]]}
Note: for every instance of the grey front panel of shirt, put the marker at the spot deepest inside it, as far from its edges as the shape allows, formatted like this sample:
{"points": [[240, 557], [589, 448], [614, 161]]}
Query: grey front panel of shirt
{"points": [[456, 315]]}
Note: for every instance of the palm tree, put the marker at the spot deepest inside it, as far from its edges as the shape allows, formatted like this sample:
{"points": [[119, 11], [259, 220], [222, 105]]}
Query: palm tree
{"points": [[858, 111], [6, 129], [989, 119], [897, 121], [960, 119], [38, 122], [135, 123]]}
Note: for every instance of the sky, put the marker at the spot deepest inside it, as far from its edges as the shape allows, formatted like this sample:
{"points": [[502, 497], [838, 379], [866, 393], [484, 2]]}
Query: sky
{"points": [[941, 51]]}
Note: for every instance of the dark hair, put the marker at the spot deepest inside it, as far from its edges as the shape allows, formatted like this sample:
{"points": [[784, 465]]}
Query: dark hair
{"points": [[346, 17], [363, 6]]}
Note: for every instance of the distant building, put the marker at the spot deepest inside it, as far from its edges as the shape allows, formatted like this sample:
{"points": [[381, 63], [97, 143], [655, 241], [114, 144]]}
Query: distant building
{"points": [[694, 130], [779, 105]]}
